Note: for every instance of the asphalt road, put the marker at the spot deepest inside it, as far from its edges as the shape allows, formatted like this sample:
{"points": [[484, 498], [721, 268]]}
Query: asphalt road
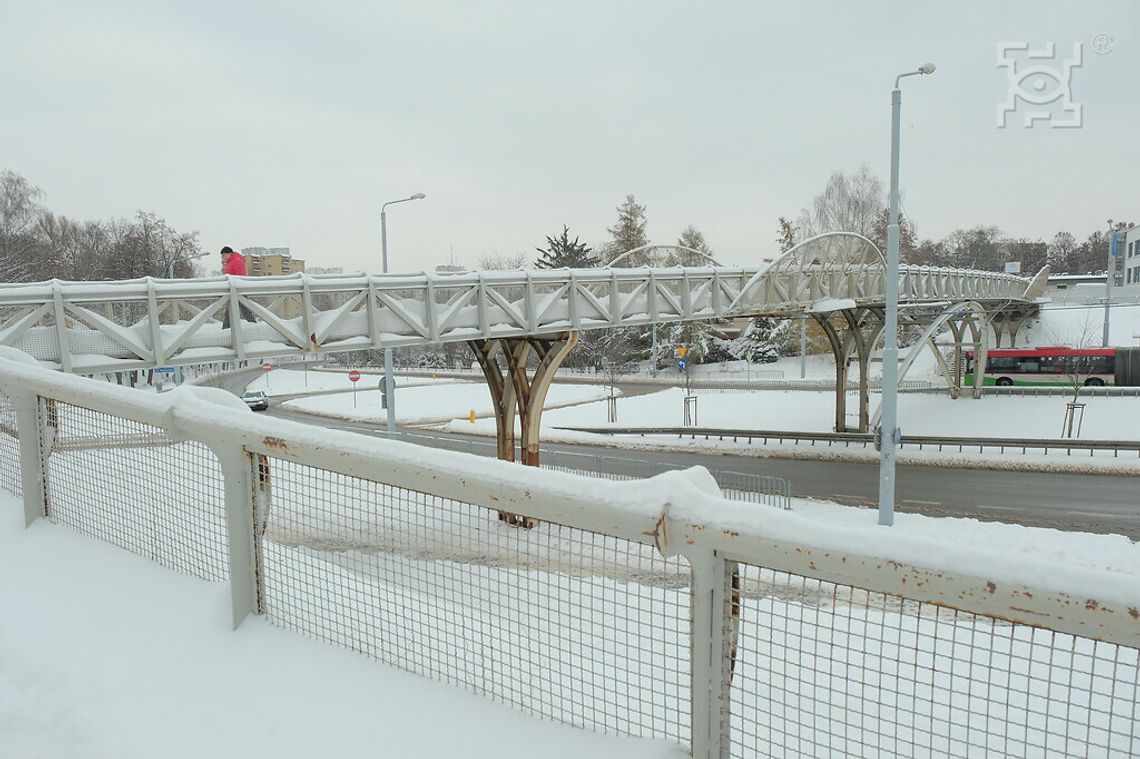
{"points": [[1079, 502]]}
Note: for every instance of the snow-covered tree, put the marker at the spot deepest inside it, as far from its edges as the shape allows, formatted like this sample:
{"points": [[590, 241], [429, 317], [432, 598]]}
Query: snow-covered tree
{"points": [[786, 234], [760, 341]]}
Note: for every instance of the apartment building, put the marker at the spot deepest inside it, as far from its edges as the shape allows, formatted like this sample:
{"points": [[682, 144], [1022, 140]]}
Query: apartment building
{"points": [[1128, 260], [271, 262]]}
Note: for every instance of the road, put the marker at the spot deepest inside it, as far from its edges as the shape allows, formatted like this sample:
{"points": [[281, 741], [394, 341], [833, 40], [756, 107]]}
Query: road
{"points": [[1077, 502]]}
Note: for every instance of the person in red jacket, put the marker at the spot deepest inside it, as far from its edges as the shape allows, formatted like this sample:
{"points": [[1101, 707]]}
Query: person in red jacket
{"points": [[234, 263]]}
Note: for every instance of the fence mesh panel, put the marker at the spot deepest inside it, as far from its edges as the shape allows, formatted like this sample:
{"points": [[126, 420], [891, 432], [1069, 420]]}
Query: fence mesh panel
{"points": [[130, 485], [9, 448], [826, 670], [565, 624]]}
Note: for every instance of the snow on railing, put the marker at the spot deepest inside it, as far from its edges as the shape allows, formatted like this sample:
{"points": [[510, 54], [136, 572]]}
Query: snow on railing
{"points": [[650, 608], [89, 327]]}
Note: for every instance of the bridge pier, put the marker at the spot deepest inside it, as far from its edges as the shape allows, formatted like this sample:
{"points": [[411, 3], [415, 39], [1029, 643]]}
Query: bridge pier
{"points": [[1009, 322], [514, 392], [854, 338]]}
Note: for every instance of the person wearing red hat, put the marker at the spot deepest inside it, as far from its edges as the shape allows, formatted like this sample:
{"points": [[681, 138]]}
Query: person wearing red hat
{"points": [[234, 263]]}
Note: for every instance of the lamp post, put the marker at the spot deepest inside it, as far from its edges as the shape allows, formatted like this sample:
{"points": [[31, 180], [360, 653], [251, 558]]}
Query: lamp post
{"points": [[888, 435], [170, 268], [1109, 281], [389, 373]]}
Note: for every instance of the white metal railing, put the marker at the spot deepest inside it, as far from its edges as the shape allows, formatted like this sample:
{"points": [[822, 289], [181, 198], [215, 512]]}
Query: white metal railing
{"points": [[89, 327], [651, 607]]}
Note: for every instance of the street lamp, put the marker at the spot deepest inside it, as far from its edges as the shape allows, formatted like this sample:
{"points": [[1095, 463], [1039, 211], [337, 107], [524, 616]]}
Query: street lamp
{"points": [[888, 435], [170, 268], [389, 373]]}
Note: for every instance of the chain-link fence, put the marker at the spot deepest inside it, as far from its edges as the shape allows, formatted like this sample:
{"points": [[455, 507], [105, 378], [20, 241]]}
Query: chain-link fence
{"points": [[566, 624], [606, 615], [829, 670], [129, 484], [9, 447]]}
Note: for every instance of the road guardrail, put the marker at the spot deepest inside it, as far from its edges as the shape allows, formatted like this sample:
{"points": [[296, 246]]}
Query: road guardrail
{"points": [[865, 439]]}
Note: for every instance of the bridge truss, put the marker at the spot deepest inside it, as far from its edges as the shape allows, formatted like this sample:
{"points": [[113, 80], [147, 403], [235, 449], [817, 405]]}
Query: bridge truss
{"points": [[837, 278]]}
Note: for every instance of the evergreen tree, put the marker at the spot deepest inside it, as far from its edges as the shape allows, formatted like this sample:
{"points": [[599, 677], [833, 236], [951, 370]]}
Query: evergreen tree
{"points": [[786, 235], [562, 252], [693, 239], [704, 339], [908, 241], [759, 343], [628, 233]]}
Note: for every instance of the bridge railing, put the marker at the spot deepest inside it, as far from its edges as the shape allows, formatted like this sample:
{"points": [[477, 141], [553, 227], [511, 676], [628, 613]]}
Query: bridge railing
{"points": [[736, 486], [89, 327], [648, 608]]}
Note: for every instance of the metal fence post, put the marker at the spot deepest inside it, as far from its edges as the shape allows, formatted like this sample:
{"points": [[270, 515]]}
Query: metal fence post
{"points": [[715, 615], [244, 525], [32, 474]]}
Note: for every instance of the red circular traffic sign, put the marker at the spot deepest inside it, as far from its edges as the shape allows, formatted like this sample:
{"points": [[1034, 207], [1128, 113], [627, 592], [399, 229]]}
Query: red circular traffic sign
{"points": [[354, 376], [266, 367]]}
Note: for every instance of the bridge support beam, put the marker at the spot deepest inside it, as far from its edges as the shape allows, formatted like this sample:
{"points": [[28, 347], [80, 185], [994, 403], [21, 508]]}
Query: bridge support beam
{"points": [[517, 394], [855, 337], [1009, 321]]}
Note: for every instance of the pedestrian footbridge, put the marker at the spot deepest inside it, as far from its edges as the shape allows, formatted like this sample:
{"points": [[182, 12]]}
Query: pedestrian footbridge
{"points": [[838, 279]]}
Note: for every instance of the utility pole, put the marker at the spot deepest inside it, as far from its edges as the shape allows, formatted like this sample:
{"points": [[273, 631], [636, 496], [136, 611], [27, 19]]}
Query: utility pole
{"points": [[888, 435], [1109, 281]]}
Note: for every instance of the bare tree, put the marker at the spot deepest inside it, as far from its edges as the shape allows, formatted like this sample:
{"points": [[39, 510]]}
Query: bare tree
{"points": [[1060, 251], [849, 203], [975, 248], [1077, 369], [502, 262], [19, 213]]}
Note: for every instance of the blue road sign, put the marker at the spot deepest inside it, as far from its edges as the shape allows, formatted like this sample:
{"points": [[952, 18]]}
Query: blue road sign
{"points": [[164, 369], [682, 363]]}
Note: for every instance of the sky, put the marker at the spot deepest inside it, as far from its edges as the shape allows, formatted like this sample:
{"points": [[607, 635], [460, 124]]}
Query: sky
{"points": [[291, 123]]}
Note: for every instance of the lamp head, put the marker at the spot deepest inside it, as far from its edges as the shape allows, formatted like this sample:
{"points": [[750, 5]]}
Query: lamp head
{"points": [[926, 68], [421, 196]]}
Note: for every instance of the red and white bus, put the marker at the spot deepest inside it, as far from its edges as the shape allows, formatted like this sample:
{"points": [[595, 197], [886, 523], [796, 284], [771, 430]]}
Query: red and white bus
{"points": [[1048, 365]]}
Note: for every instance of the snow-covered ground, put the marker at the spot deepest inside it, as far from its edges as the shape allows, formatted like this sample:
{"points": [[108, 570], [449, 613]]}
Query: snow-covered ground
{"points": [[1076, 325], [812, 411], [105, 654], [291, 380], [436, 402], [101, 632]]}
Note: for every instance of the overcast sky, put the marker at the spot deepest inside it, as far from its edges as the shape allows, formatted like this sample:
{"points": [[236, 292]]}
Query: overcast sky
{"points": [[290, 123]]}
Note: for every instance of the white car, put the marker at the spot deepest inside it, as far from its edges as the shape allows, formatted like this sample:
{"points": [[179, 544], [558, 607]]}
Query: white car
{"points": [[256, 400]]}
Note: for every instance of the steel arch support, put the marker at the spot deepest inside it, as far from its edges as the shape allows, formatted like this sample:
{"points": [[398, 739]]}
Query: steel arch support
{"points": [[862, 330], [927, 339], [515, 392]]}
